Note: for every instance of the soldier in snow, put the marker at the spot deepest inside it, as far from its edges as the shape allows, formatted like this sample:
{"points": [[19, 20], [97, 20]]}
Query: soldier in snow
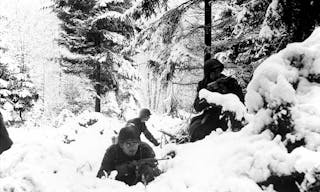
{"points": [[213, 81], [5, 141], [133, 160], [140, 126]]}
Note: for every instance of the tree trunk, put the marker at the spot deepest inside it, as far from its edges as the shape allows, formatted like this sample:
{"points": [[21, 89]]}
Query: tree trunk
{"points": [[20, 115], [98, 88], [207, 29], [149, 89]]}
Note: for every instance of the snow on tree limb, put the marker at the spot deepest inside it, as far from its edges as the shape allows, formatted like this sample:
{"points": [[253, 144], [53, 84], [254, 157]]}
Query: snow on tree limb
{"points": [[287, 85], [229, 102]]}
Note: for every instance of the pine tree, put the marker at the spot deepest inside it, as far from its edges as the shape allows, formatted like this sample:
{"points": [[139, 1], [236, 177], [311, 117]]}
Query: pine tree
{"points": [[244, 33], [296, 13], [17, 92], [94, 34]]}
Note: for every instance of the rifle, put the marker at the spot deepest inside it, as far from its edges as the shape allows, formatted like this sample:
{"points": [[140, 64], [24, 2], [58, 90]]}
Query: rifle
{"points": [[173, 137], [168, 156], [145, 173], [218, 84], [148, 176], [177, 139], [150, 161]]}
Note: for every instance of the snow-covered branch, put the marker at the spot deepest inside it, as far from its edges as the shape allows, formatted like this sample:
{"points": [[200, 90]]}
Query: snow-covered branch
{"points": [[229, 102]]}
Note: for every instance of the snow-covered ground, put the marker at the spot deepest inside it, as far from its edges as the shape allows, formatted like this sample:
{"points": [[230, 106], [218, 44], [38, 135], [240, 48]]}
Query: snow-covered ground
{"points": [[67, 158], [41, 161]]}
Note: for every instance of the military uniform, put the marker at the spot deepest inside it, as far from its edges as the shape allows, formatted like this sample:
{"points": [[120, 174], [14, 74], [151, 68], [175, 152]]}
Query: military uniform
{"points": [[132, 159], [116, 159], [5, 141], [141, 127], [209, 120]]}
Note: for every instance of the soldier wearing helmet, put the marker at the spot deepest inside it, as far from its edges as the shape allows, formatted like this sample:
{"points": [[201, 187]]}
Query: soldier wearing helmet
{"points": [[124, 158], [140, 126], [212, 116]]}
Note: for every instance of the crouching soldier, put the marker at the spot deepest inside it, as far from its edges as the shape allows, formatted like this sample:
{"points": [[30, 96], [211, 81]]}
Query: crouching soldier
{"points": [[140, 125], [132, 159], [212, 116]]}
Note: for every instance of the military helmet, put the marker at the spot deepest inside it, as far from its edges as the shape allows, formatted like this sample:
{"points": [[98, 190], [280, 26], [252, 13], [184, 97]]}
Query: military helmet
{"points": [[144, 113], [128, 133], [212, 64]]}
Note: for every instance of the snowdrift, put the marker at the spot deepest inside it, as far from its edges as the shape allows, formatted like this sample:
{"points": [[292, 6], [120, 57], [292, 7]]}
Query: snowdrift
{"points": [[281, 139]]}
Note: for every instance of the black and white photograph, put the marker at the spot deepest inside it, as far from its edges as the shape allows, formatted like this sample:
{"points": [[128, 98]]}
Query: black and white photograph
{"points": [[159, 96]]}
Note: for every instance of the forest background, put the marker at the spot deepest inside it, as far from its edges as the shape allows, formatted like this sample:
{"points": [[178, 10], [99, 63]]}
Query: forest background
{"points": [[116, 56]]}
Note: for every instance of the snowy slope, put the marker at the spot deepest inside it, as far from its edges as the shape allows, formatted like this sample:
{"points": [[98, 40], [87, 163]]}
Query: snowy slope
{"points": [[40, 161]]}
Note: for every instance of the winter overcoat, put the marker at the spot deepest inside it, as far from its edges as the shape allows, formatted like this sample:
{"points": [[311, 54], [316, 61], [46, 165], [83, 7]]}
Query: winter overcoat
{"points": [[209, 120]]}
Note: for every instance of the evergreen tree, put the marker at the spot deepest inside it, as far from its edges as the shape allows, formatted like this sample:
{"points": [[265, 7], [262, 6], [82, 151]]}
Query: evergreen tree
{"points": [[244, 33], [147, 8], [296, 13], [29, 33], [17, 92], [94, 34]]}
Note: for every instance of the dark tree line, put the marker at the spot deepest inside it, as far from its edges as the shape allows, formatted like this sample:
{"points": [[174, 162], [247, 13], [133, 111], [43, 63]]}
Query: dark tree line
{"points": [[300, 17]]}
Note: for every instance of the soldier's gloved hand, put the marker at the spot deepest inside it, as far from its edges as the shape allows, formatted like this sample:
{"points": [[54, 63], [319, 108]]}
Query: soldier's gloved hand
{"points": [[122, 169], [133, 164], [152, 163], [126, 168]]}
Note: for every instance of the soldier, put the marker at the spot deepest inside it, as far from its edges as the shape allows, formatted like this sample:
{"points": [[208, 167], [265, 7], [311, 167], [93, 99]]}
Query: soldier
{"points": [[5, 141], [140, 126], [132, 159], [214, 81]]}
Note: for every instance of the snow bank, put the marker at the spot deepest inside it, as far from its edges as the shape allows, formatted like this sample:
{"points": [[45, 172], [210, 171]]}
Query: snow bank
{"points": [[289, 82], [207, 165], [40, 160]]}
